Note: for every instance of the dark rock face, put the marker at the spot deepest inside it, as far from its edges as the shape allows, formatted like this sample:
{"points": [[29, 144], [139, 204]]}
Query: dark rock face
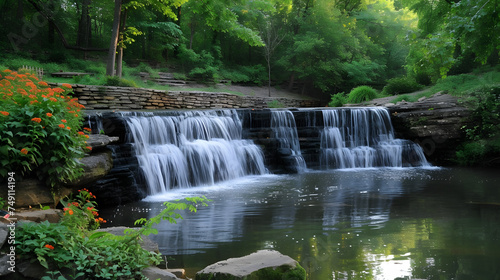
{"points": [[434, 123]]}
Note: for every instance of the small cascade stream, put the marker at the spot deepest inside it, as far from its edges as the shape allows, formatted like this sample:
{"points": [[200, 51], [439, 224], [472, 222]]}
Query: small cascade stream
{"points": [[285, 131], [364, 138], [192, 148], [180, 149]]}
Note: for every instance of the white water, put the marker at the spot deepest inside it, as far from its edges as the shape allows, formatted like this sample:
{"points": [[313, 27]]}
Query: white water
{"points": [[285, 130], [187, 149], [364, 138]]}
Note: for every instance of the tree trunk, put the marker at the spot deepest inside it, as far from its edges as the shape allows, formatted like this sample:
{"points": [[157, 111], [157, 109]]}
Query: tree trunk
{"points": [[269, 76], [292, 80], [110, 67], [119, 62]]}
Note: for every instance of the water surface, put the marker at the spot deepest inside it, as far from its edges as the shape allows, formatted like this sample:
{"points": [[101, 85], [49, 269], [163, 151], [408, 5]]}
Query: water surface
{"points": [[391, 223]]}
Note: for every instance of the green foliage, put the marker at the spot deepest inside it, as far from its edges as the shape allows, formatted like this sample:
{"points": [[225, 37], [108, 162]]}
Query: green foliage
{"points": [[255, 74], [70, 247], [466, 83], [119, 82], [404, 97], [338, 100], [361, 94], [423, 78], [275, 104], [39, 129], [483, 135], [401, 85]]}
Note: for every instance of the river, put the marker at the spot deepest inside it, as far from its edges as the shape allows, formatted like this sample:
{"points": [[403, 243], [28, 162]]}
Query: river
{"points": [[385, 223]]}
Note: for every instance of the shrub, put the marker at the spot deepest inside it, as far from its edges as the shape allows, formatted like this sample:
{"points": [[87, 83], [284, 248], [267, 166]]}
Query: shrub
{"points": [[116, 81], [338, 100], [400, 85], [70, 247], [423, 78], [39, 129], [361, 94], [275, 104]]}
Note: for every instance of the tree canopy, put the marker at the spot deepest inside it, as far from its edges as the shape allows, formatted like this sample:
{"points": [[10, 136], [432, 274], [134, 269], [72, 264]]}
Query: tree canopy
{"points": [[310, 45]]}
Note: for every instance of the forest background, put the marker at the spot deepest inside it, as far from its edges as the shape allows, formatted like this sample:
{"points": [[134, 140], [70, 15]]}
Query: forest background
{"points": [[313, 46]]}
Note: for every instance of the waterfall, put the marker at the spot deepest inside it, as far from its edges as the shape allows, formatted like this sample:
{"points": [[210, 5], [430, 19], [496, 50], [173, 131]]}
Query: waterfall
{"points": [[364, 138], [191, 148], [285, 131]]}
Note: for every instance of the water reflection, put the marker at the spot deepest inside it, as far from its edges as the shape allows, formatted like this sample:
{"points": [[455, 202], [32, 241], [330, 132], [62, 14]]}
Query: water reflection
{"points": [[365, 224]]}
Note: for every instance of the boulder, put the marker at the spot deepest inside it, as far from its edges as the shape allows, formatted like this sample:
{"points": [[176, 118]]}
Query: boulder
{"points": [[50, 215], [32, 192], [154, 273], [95, 167], [4, 232], [97, 141], [435, 123], [262, 265]]}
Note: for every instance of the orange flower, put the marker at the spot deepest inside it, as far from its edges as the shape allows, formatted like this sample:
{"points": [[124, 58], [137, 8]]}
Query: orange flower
{"points": [[70, 212], [53, 99], [24, 151], [68, 128], [49, 246], [38, 120], [87, 129], [4, 113], [64, 121], [58, 90], [81, 133], [88, 147], [62, 126], [7, 71], [49, 115], [66, 85], [42, 83]]}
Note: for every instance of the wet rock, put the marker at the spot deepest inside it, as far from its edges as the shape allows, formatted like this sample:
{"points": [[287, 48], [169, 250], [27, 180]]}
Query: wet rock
{"points": [[264, 264]]}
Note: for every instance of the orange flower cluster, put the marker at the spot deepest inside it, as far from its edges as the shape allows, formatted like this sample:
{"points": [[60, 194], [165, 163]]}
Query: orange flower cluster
{"points": [[86, 190], [24, 151], [4, 113], [37, 120], [100, 220], [49, 246], [67, 211]]}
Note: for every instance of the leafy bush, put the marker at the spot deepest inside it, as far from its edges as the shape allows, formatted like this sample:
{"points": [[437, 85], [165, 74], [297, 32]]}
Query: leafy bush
{"points": [[423, 78], [275, 104], [255, 74], [39, 129], [401, 85], [361, 94], [338, 100], [116, 81], [483, 136], [70, 247]]}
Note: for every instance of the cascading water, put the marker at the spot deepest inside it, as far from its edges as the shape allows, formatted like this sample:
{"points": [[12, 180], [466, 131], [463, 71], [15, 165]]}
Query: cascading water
{"points": [[285, 131], [191, 148], [363, 138]]}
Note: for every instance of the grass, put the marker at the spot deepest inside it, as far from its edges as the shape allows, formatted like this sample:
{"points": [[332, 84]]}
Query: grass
{"points": [[98, 69], [459, 85]]}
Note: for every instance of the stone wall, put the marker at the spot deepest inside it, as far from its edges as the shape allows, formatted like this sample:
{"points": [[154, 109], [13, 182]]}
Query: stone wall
{"points": [[126, 98]]}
